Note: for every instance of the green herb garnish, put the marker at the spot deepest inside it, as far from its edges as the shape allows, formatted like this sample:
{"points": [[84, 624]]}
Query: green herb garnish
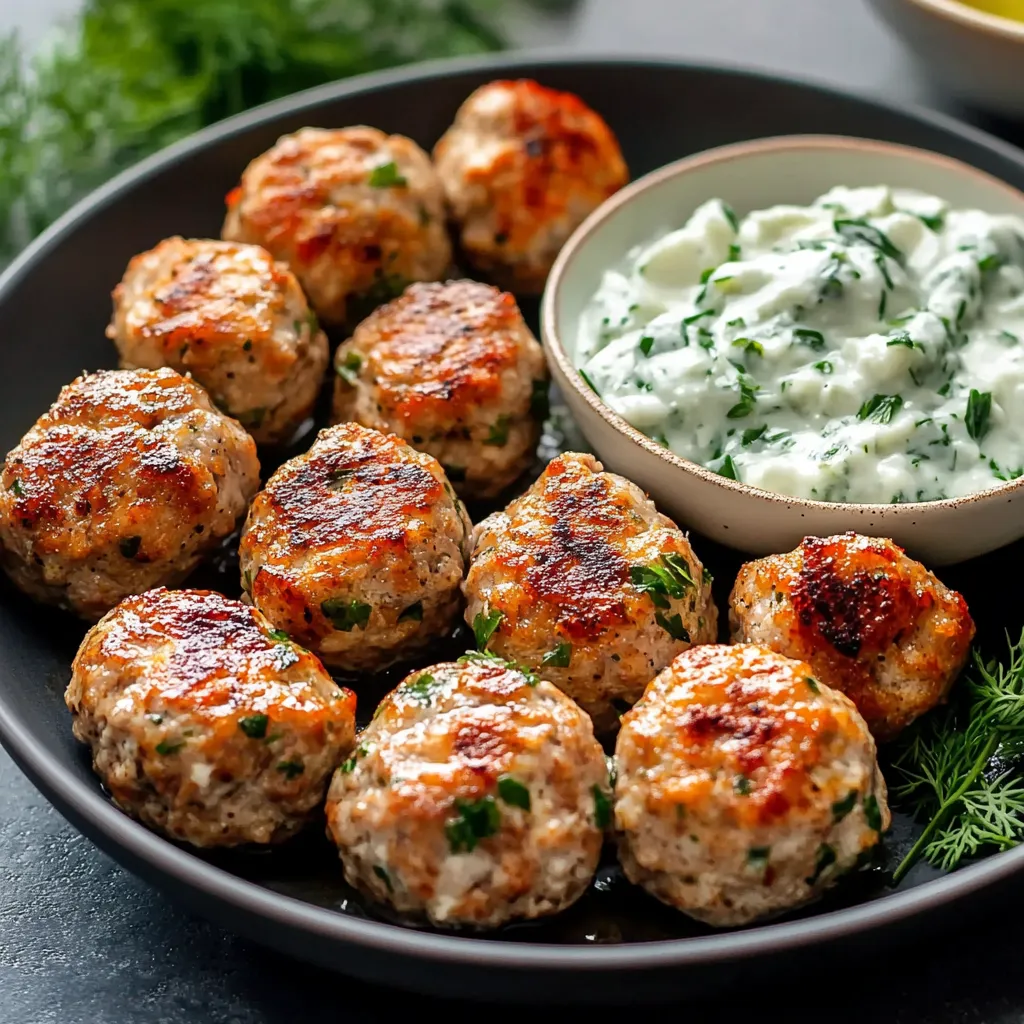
{"points": [[348, 369], [670, 578], [823, 859], [514, 793], [476, 820], [952, 769], [589, 382], [673, 625], [979, 409], [824, 367], [279, 636], [880, 408], [346, 615], [254, 726], [169, 746], [16, 488], [498, 432], [813, 339], [291, 769], [841, 808], [559, 656], [750, 435], [602, 808], [742, 785], [387, 176], [414, 613], [646, 344], [728, 469], [421, 688], [485, 625], [383, 875], [857, 229]]}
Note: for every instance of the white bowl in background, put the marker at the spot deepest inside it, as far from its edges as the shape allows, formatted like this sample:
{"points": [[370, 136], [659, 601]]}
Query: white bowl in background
{"points": [[751, 176], [977, 57]]}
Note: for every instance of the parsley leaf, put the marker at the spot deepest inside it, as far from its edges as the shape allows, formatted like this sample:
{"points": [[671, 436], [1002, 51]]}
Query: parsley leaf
{"points": [[485, 626], [387, 176], [475, 820], [254, 726], [880, 408], [979, 409], [559, 656], [346, 615], [514, 793]]}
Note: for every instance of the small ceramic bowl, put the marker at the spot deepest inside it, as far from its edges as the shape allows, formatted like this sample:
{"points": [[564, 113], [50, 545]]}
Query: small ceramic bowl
{"points": [[976, 56], [752, 176]]}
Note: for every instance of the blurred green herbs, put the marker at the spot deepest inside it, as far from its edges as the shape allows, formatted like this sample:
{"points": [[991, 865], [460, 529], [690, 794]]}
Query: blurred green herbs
{"points": [[129, 76]]}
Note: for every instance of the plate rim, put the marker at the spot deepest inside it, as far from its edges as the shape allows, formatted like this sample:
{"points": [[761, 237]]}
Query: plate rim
{"points": [[123, 833]]}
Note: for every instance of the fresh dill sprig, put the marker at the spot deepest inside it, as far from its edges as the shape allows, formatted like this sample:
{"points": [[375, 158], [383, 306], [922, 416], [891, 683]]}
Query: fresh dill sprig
{"points": [[956, 769]]}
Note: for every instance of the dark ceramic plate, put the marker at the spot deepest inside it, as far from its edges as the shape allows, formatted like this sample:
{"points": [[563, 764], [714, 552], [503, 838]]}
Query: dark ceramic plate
{"points": [[616, 943]]}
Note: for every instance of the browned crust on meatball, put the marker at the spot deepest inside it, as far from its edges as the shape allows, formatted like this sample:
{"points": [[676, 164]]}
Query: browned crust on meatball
{"points": [[108, 472], [204, 722], [353, 515], [301, 201], [862, 612], [453, 369], [440, 351], [747, 714], [559, 564], [559, 160]]}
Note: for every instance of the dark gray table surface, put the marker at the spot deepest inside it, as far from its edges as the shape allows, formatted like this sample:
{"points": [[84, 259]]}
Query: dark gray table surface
{"points": [[81, 940]]}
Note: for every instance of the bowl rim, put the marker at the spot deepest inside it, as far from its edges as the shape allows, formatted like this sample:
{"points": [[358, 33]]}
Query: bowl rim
{"points": [[81, 801], [582, 236], [963, 14]]}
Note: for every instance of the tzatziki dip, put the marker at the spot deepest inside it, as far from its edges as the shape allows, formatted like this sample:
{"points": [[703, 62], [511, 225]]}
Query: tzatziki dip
{"points": [[866, 348]]}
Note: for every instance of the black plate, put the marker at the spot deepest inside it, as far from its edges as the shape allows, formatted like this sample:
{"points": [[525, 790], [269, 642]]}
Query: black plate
{"points": [[617, 943]]}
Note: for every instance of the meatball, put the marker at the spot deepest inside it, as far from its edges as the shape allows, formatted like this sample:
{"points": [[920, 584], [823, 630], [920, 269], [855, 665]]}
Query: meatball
{"points": [[583, 580], [356, 214], [454, 370], [476, 796], [522, 167], [745, 787], [125, 484], [204, 721], [357, 549], [871, 621], [235, 319]]}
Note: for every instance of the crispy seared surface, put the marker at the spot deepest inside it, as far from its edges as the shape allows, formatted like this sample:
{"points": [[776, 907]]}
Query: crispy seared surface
{"points": [[233, 317], [362, 518], [454, 370], [746, 786], [871, 621], [123, 485], [319, 200], [522, 166], [569, 563], [204, 721], [470, 797]]}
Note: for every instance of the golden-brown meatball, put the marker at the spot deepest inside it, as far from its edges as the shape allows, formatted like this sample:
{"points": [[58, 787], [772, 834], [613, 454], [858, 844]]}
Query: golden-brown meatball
{"points": [[745, 786], [522, 167], [476, 796], [357, 549], [233, 317], [125, 484], [584, 581], [871, 621], [355, 213], [454, 370], [204, 721]]}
